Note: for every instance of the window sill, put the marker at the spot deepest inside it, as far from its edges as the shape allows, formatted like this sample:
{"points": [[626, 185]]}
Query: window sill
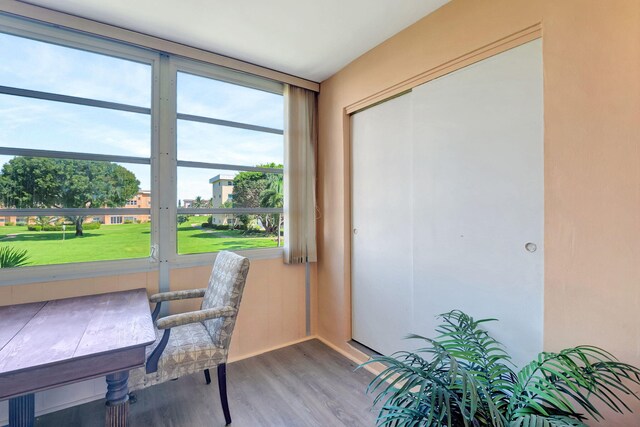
{"points": [[198, 260], [87, 270], [57, 272]]}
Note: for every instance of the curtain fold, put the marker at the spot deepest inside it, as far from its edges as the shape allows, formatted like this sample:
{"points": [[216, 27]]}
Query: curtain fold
{"points": [[300, 138]]}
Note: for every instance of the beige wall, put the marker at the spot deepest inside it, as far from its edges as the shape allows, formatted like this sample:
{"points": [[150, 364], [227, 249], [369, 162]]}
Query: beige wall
{"points": [[591, 60], [272, 312], [20, 294]]}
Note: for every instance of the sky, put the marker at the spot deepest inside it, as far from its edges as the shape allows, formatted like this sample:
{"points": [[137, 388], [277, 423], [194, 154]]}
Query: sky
{"points": [[38, 124]]}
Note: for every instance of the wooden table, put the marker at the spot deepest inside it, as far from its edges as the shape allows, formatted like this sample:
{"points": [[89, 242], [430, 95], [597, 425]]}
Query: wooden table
{"points": [[51, 343]]}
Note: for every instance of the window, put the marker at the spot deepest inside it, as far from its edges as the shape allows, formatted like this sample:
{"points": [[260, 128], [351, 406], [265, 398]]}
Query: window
{"points": [[82, 114], [116, 220], [238, 131], [69, 120]]}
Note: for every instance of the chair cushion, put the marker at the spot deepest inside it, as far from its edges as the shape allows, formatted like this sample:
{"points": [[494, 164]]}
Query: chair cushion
{"points": [[190, 349], [226, 285]]}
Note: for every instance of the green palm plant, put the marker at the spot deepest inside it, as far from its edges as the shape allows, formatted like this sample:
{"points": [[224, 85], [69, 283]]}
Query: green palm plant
{"points": [[273, 196], [12, 257], [464, 377]]}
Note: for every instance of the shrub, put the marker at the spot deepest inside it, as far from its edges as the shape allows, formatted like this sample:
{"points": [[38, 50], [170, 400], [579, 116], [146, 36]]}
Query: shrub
{"points": [[128, 221], [10, 224], [91, 226], [88, 226], [206, 225]]}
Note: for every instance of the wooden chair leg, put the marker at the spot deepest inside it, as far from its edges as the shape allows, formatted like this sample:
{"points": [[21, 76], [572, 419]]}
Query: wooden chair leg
{"points": [[207, 376], [222, 386]]}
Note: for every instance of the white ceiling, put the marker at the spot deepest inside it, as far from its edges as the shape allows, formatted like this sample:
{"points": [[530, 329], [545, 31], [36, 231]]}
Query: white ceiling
{"points": [[308, 39]]}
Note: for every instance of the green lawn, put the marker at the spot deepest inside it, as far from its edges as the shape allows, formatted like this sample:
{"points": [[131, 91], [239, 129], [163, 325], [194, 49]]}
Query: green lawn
{"points": [[192, 239], [124, 241]]}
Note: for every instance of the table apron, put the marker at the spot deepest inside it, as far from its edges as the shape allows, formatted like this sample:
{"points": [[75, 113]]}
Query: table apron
{"points": [[14, 384]]}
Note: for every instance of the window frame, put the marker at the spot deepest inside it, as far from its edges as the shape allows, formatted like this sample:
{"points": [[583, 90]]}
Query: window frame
{"points": [[163, 161], [199, 69]]}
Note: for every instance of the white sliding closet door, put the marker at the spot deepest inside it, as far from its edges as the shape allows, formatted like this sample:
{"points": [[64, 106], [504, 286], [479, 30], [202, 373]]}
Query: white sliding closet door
{"points": [[381, 260], [478, 172], [467, 198]]}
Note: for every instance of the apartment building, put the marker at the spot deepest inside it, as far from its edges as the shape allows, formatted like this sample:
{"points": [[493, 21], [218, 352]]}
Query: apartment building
{"points": [[221, 192]]}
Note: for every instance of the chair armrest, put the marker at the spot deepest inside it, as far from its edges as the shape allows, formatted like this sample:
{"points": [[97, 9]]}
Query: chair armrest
{"points": [[194, 316], [177, 295]]}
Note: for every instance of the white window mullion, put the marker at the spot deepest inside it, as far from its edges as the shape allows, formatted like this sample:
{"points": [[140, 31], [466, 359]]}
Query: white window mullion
{"points": [[155, 157], [166, 189]]}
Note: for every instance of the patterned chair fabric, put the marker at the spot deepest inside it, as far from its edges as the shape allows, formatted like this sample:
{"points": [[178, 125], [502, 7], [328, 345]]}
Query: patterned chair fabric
{"points": [[197, 346]]}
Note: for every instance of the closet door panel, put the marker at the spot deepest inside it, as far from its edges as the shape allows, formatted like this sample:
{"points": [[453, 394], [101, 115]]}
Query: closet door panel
{"points": [[479, 197], [381, 224]]}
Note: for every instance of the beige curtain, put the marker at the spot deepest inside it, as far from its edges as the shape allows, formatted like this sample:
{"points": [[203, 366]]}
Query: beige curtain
{"points": [[300, 137]]}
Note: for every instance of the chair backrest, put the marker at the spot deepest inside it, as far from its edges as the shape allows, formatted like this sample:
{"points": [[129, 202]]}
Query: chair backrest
{"points": [[226, 285]]}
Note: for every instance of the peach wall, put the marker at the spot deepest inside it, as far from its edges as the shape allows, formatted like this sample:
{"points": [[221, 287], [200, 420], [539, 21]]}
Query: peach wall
{"points": [[591, 54], [42, 291], [272, 313]]}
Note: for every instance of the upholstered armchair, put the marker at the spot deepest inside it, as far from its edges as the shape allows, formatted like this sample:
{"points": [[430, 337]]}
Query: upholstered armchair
{"points": [[199, 340]]}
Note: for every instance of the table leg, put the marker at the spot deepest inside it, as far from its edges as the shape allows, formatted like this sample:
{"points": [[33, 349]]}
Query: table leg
{"points": [[117, 399], [22, 411]]}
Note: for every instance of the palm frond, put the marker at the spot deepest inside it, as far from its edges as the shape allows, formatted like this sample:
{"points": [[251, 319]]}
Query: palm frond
{"points": [[534, 420], [439, 392], [12, 257], [582, 373], [479, 352], [464, 377]]}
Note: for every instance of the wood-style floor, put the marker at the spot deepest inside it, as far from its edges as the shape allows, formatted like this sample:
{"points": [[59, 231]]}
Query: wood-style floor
{"points": [[307, 384]]}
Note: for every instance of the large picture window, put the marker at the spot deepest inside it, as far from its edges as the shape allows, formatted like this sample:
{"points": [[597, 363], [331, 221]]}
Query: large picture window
{"points": [[109, 152], [75, 148], [233, 199]]}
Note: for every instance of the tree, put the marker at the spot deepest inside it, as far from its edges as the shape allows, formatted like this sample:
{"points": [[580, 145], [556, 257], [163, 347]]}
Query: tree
{"points": [[232, 220], [199, 202], [256, 190], [29, 182], [44, 221], [273, 197]]}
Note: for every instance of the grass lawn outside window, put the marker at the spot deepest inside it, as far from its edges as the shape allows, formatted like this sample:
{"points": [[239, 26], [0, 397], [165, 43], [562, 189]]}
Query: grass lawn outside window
{"points": [[123, 241]]}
